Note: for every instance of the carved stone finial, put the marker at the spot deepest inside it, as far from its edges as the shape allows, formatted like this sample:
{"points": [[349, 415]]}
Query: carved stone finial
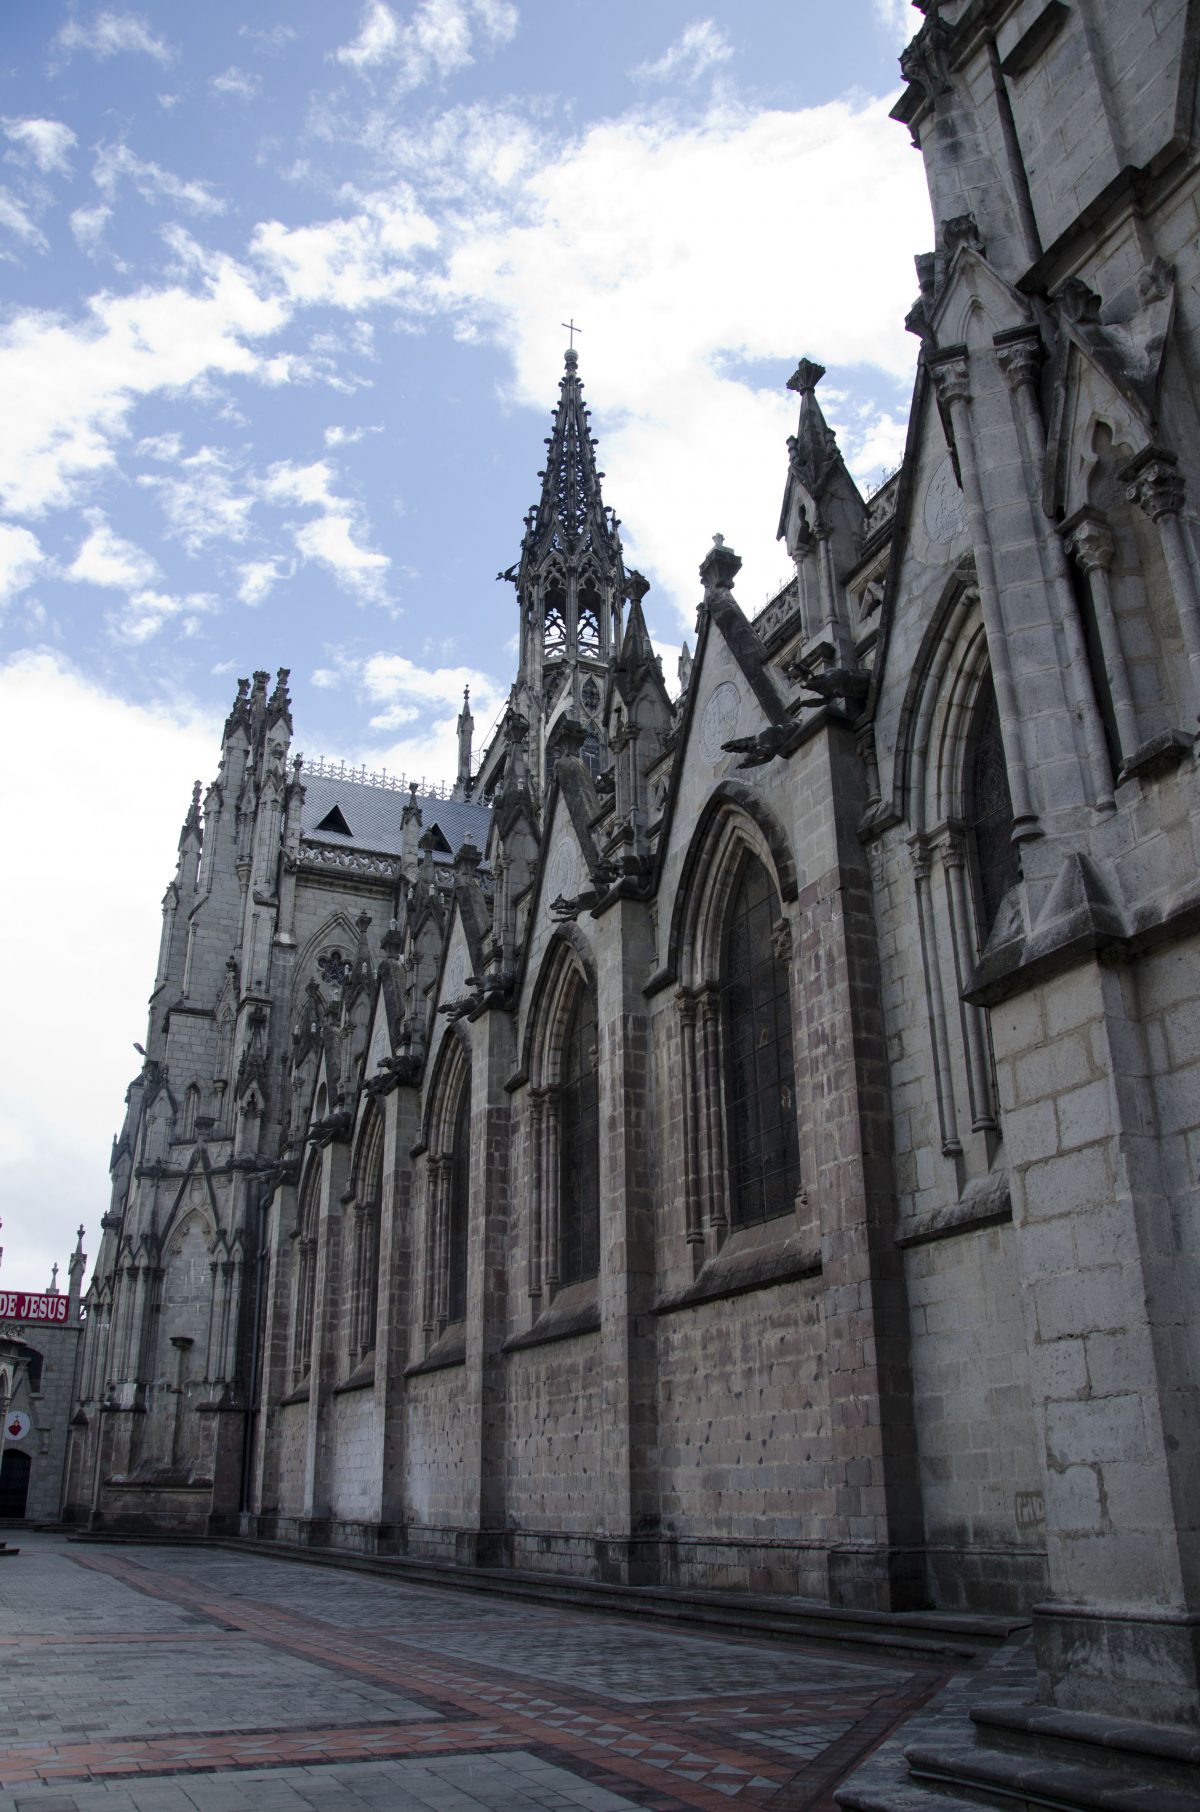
{"points": [[925, 62], [806, 377], [1077, 303], [961, 229], [719, 568]]}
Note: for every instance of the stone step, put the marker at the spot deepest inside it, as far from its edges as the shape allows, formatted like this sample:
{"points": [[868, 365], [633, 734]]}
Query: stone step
{"points": [[950, 1638], [953, 1638], [870, 1792], [1036, 1783], [1151, 1752]]}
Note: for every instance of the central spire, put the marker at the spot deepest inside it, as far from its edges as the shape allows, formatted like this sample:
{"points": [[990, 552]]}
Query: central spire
{"points": [[570, 514], [570, 582]]}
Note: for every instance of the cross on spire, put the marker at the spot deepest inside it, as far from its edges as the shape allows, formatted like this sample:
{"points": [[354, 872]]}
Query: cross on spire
{"points": [[571, 329]]}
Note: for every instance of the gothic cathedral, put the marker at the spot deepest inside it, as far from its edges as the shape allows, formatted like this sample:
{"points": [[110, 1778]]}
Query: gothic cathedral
{"points": [[750, 1138]]}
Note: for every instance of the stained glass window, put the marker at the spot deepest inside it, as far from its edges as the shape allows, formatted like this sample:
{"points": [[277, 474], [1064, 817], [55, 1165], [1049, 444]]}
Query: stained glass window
{"points": [[460, 1199], [990, 813], [579, 1145], [760, 1083], [366, 1266]]}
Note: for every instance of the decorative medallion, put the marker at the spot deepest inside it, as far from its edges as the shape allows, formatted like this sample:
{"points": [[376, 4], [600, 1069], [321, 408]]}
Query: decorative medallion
{"points": [[332, 966], [945, 511], [562, 873], [456, 975], [720, 720]]}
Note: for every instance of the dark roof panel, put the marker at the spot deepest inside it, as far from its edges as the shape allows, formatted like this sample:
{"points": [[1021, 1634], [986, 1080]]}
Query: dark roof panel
{"points": [[372, 815]]}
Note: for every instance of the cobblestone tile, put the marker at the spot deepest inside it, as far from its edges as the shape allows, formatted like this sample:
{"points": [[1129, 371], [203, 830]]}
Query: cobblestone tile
{"points": [[207, 1681]]}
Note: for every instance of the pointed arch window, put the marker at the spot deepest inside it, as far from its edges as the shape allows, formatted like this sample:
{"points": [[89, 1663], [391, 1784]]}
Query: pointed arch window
{"points": [[579, 1145], [448, 1192], [305, 1269], [554, 619], [459, 1216], [191, 1107], [564, 1133], [760, 1084], [367, 1215], [989, 812], [590, 616]]}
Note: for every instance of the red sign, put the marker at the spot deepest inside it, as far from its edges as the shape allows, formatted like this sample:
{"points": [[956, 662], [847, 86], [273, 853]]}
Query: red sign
{"points": [[20, 1305]]}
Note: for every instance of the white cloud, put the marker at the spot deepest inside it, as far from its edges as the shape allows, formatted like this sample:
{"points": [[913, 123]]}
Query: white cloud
{"points": [[330, 538], [353, 261], [377, 41], [271, 39], [259, 578], [106, 558], [15, 216], [145, 612], [53, 1166], [438, 39], [665, 241], [897, 19], [399, 693], [201, 502], [160, 446], [70, 387], [337, 436], [111, 33], [88, 224], [46, 141], [325, 679], [309, 485], [702, 46], [21, 559], [330, 541], [152, 182], [237, 82]]}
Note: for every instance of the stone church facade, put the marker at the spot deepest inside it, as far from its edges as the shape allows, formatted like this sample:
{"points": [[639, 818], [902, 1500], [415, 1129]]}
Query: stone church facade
{"points": [[748, 1139]]}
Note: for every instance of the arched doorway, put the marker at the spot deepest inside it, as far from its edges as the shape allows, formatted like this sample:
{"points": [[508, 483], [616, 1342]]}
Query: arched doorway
{"points": [[14, 1482]]}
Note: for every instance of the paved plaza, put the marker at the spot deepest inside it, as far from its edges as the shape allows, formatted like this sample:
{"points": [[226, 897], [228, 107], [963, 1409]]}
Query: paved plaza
{"points": [[174, 1679]]}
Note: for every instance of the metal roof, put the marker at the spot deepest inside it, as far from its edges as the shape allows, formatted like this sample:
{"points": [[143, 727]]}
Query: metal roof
{"points": [[373, 815]]}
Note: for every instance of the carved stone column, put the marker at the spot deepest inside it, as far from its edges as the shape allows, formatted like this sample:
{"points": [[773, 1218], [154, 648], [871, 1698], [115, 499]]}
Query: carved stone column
{"points": [[1155, 484], [952, 380], [1089, 542], [1019, 360]]}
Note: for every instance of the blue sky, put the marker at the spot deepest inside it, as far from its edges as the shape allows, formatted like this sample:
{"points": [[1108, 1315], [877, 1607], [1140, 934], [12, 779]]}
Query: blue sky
{"points": [[283, 287]]}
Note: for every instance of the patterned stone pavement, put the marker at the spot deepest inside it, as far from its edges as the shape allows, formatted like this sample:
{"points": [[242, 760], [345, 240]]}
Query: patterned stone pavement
{"points": [[159, 1679]]}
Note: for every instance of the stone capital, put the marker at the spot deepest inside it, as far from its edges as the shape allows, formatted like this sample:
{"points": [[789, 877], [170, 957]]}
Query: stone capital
{"points": [[1154, 482], [951, 375], [954, 850], [1088, 539], [1020, 357]]}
